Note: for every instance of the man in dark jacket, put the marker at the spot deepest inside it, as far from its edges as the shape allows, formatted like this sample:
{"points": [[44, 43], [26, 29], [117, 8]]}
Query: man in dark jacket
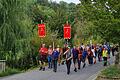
{"points": [[55, 56], [63, 55], [68, 59]]}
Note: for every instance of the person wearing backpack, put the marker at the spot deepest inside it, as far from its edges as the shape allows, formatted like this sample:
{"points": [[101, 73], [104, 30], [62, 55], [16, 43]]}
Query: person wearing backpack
{"points": [[68, 59], [55, 56], [90, 56], [75, 58]]}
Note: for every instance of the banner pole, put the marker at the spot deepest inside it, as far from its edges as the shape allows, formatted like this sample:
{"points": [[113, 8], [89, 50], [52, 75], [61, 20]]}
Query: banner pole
{"points": [[67, 22], [67, 41], [41, 38], [41, 21]]}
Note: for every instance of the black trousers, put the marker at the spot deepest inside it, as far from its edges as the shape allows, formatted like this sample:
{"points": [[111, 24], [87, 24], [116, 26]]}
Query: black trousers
{"points": [[90, 59], [79, 63], [99, 56], [105, 61], [55, 65], [68, 64]]}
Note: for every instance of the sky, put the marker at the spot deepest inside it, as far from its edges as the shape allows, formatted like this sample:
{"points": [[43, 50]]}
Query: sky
{"points": [[68, 1]]}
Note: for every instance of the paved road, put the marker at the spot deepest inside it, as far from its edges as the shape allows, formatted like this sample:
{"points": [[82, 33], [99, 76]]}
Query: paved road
{"points": [[87, 73]]}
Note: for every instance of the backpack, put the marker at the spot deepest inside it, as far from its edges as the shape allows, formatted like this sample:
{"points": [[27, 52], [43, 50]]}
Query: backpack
{"points": [[84, 54], [90, 54], [100, 50], [55, 54]]}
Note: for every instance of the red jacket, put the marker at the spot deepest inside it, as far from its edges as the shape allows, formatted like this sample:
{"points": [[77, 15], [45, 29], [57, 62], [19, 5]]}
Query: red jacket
{"points": [[43, 51]]}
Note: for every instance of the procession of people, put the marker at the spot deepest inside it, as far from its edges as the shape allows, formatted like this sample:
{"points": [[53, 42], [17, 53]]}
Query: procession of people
{"points": [[78, 54]]}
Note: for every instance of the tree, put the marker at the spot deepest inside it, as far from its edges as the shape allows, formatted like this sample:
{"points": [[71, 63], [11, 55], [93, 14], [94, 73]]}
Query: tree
{"points": [[104, 15], [15, 31]]}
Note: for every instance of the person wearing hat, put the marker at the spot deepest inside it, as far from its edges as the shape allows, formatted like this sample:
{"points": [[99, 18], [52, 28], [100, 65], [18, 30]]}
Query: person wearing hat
{"points": [[68, 54]]}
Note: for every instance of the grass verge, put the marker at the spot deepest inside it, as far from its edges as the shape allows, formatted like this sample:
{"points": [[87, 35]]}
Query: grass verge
{"points": [[111, 71], [9, 71]]}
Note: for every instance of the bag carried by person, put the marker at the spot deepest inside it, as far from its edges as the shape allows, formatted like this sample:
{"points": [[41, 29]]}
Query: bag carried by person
{"points": [[55, 54]]}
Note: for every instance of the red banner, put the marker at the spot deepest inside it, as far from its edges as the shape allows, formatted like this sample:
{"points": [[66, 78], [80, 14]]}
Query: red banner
{"points": [[67, 31], [41, 30]]}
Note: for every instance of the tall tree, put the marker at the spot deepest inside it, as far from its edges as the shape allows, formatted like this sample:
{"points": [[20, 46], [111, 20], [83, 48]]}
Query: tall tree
{"points": [[104, 15], [15, 28]]}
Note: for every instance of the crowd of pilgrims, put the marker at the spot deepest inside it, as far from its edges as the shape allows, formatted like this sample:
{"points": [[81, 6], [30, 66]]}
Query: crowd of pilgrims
{"points": [[76, 55]]}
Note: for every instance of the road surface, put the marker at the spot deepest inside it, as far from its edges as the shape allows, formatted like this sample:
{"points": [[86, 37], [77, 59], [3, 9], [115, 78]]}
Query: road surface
{"points": [[87, 73]]}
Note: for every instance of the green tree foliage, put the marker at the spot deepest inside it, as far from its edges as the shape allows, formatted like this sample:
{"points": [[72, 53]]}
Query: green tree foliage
{"points": [[19, 41], [55, 15], [104, 15], [15, 31]]}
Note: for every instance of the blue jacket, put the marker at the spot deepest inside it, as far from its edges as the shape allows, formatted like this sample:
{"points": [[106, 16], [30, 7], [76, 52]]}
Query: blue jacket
{"points": [[75, 53], [55, 54], [84, 54]]}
